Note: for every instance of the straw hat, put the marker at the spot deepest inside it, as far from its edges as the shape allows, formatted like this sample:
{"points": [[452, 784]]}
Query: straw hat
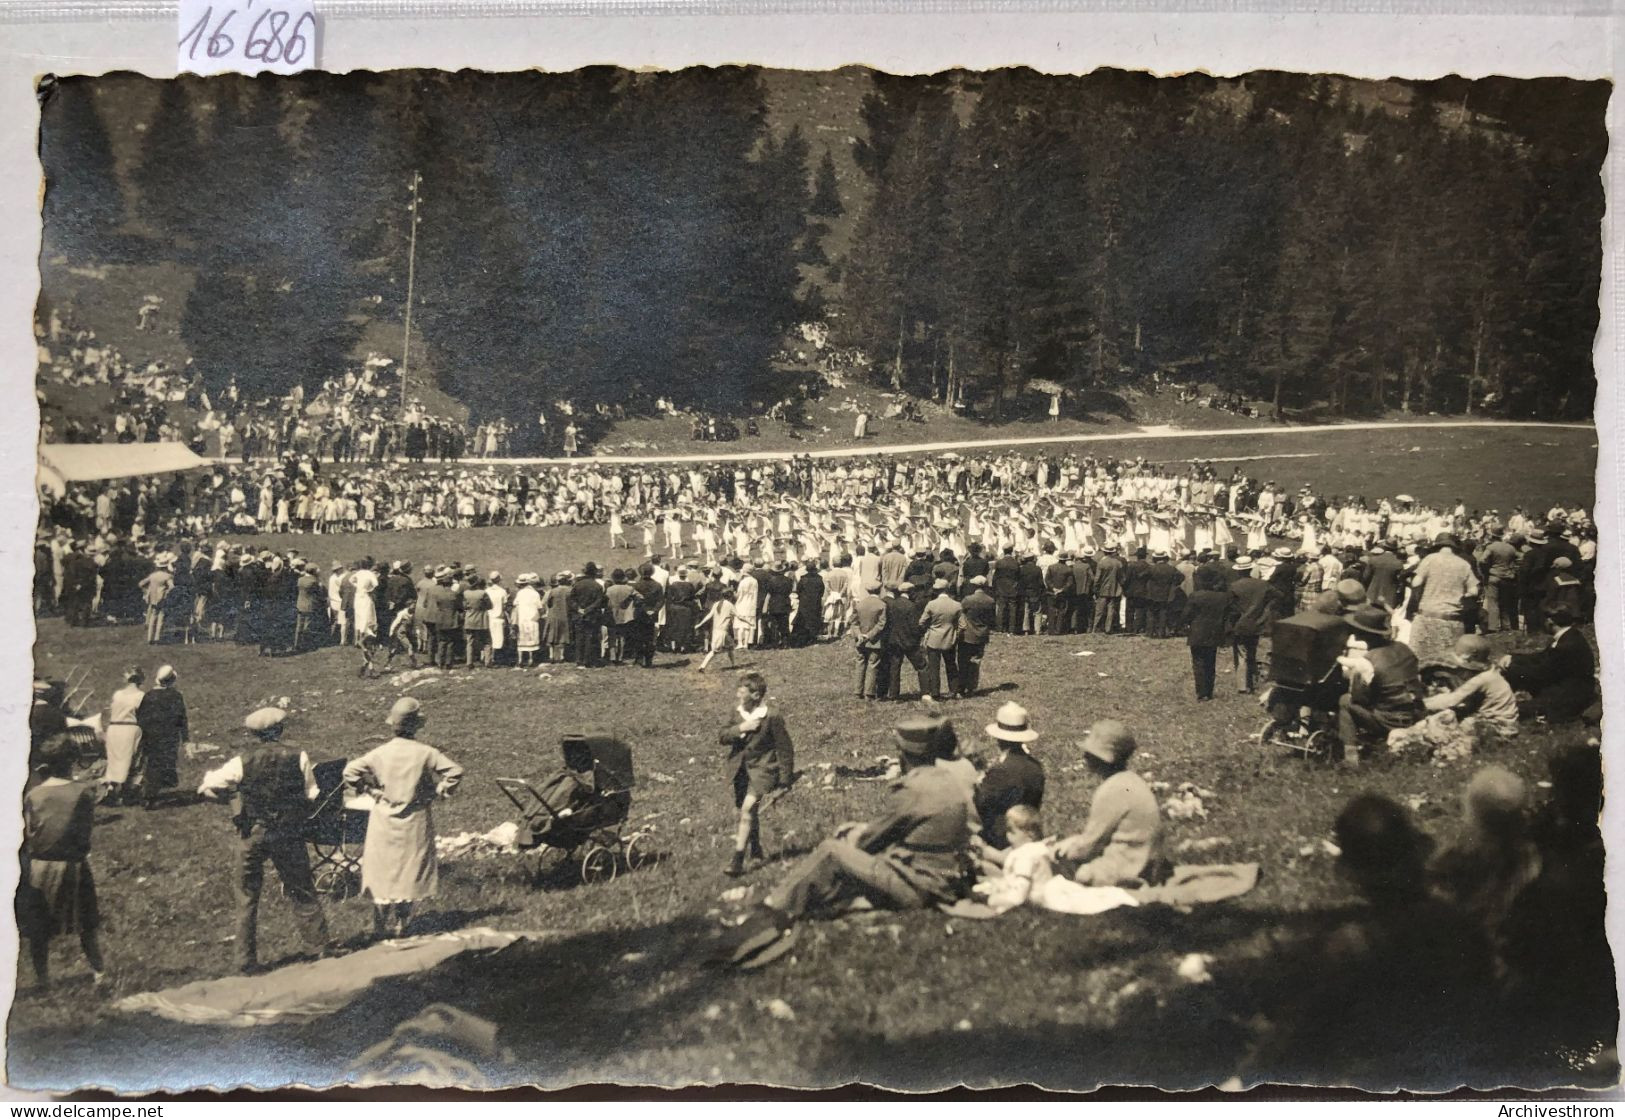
{"points": [[1011, 724]]}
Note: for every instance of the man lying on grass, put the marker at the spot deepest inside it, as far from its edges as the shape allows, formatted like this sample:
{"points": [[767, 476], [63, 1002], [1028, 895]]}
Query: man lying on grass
{"points": [[915, 855]]}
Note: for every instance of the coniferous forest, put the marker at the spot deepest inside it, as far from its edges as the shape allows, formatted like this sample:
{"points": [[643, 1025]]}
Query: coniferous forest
{"points": [[1307, 241]]}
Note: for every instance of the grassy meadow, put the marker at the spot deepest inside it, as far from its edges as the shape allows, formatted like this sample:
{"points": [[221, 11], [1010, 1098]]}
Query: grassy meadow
{"points": [[611, 988]]}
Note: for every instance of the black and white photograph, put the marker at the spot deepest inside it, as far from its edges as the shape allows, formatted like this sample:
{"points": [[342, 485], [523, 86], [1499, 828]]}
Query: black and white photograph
{"points": [[743, 575]]}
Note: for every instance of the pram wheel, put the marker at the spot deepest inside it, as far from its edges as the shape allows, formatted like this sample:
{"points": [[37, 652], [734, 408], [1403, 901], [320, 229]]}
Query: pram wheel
{"points": [[598, 865], [637, 854], [1321, 746], [335, 883], [1272, 732]]}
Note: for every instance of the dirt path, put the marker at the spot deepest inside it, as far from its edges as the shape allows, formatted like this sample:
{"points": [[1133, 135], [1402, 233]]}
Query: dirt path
{"points": [[1155, 432]]}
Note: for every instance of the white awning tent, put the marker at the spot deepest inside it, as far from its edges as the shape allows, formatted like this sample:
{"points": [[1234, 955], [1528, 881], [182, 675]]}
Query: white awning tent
{"points": [[62, 463]]}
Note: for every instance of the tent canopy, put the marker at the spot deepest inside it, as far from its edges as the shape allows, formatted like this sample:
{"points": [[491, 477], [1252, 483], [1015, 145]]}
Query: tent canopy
{"points": [[62, 463]]}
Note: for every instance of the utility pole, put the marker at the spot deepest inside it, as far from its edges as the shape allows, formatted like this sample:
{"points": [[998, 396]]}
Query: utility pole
{"points": [[411, 276]]}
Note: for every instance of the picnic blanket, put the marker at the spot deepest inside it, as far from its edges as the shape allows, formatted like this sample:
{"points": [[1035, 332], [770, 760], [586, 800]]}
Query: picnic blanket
{"points": [[1191, 884], [298, 993]]}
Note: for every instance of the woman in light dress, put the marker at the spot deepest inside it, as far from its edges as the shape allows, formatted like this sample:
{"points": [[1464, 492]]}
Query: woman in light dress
{"points": [[527, 618], [364, 607], [403, 777], [123, 736], [498, 621], [745, 610]]}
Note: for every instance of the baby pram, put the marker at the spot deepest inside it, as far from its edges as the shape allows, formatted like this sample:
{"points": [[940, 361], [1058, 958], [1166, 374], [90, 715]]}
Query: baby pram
{"points": [[336, 831], [1305, 685], [578, 827]]}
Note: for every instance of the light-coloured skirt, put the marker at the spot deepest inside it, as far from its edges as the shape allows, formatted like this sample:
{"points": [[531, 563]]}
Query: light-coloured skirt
{"points": [[122, 741], [530, 635]]}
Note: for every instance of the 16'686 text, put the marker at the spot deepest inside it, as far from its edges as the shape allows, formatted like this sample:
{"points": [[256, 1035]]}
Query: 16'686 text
{"points": [[238, 36]]}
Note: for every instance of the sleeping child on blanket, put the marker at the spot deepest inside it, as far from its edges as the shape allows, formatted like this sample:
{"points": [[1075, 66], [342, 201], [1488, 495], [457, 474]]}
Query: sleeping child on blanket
{"points": [[1029, 873]]}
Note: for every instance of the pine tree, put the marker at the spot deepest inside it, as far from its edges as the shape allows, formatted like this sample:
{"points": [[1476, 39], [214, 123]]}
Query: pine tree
{"points": [[84, 206], [826, 201]]}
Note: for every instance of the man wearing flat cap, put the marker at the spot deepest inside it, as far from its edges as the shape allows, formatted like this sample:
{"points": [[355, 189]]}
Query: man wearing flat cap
{"points": [[914, 855], [869, 632], [977, 620], [902, 642], [941, 619], [272, 786]]}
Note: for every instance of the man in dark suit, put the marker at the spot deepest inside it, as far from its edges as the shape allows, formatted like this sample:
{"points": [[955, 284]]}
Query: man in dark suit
{"points": [[588, 603], [979, 618], [1015, 779], [1535, 566], [869, 630], [645, 616], [445, 611], [777, 585], [1108, 591], [398, 592], [1030, 617], [1561, 678], [1162, 582], [1135, 576], [78, 585], [308, 602], [1059, 590], [1257, 607], [681, 595], [1007, 591], [974, 565], [1083, 592], [902, 641], [1382, 575]]}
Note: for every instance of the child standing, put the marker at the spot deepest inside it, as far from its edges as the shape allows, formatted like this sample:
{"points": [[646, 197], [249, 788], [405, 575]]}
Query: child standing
{"points": [[58, 894], [721, 618], [761, 760]]}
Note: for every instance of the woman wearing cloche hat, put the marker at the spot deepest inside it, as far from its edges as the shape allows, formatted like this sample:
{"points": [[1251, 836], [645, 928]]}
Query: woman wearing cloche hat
{"points": [[1121, 840], [403, 777]]}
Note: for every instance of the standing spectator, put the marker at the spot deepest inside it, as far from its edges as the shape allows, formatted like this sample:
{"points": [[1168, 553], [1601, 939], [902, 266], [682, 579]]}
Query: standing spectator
{"points": [[1108, 591], [123, 736], [1499, 563], [57, 894], [272, 786], [556, 623], [902, 642], [588, 611], [869, 631], [1209, 617], [1007, 591], [761, 759], [156, 587], [162, 719], [527, 619], [496, 617], [1257, 606], [941, 621], [977, 621], [403, 777]]}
